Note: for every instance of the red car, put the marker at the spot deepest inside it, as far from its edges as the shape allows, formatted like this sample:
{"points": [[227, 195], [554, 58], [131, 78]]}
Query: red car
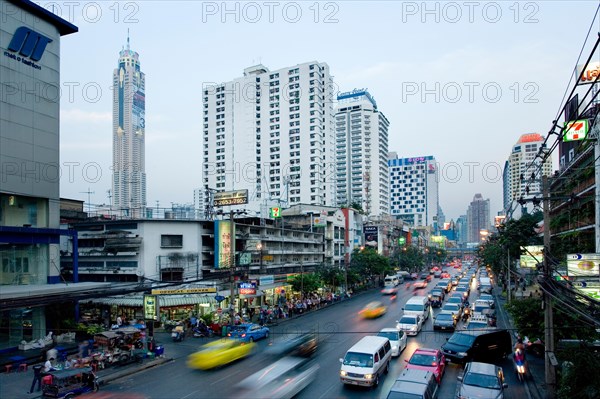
{"points": [[430, 360], [445, 275]]}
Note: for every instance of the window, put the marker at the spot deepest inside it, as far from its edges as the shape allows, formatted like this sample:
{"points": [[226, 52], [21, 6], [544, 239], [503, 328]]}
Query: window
{"points": [[171, 241]]}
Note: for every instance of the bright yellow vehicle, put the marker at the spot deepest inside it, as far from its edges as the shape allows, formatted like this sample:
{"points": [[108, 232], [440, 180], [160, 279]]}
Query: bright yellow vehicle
{"points": [[219, 353], [373, 310]]}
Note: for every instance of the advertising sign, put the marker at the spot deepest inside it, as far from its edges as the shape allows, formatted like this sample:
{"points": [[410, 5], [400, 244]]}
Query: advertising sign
{"points": [[576, 130], [401, 241], [319, 221], [245, 258], [150, 307], [371, 236], [224, 198], [275, 212], [264, 280], [199, 290], [224, 244], [590, 73], [247, 288], [579, 265], [533, 254]]}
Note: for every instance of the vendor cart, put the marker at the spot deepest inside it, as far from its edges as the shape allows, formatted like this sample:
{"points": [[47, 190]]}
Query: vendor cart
{"points": [[69, 383]]}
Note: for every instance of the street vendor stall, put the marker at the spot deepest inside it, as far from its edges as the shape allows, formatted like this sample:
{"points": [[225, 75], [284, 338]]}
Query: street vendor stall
{"points": [[119, 346]]}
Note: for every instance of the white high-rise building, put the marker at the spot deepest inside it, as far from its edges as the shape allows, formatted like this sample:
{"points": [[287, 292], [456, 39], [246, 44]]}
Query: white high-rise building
{"points": [[271, 132], [522, 162], [129, 132], [361, 132], [414, 189]]}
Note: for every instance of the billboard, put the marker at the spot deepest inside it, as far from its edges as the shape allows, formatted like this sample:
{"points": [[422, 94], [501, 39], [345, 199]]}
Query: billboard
{"points": [[371, 236], [224, 198], [589, 74], [581, 265], [150, 307], [224, 244], [533, 254]]}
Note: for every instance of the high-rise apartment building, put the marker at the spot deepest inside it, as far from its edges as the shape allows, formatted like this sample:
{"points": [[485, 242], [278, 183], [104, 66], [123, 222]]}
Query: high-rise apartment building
{"points": [[129, 135], [478, 218], [461, 229], [414, 189], [522, 163], [271, 132], [361, 132]]}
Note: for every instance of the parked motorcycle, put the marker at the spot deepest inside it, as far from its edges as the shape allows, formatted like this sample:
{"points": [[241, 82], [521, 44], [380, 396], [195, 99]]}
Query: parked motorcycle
{"points": [[201, 331], [519, 359]]}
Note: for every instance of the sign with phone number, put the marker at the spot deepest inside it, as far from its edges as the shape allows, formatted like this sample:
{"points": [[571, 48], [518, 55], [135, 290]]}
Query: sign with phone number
{"points": [[231, 201]]}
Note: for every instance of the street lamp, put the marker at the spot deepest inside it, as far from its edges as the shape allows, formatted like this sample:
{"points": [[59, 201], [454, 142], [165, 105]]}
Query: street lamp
{"points": [[259, 247]]}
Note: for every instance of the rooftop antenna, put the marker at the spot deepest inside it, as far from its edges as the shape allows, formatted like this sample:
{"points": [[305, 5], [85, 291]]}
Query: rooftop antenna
{"points": [[127, 38], [89, 193]]}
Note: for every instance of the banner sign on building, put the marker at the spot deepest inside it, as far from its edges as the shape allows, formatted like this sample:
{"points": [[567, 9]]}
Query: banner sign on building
{"points": [[198, 290], [319, 221], [150, 307], [589, 74], [371, 236], [224, 244], [224, 198], [532, 255], [579, 265], [265, 280], [275, 212]]}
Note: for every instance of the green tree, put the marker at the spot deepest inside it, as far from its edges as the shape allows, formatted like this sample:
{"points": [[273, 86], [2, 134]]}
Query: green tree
{"points": [[411, 259], [331, 275], [306, 283], [367, 262]]}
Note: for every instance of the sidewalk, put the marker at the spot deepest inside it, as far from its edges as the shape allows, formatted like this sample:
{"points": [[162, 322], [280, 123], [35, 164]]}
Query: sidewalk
{"points": [[537, 372], [16, 384]]}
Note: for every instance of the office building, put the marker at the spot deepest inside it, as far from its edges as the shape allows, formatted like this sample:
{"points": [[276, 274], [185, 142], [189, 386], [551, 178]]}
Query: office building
{"points": [[129, 136], [361, 132], [523, 161], [414, 189], [271, 133], [478, 218]]}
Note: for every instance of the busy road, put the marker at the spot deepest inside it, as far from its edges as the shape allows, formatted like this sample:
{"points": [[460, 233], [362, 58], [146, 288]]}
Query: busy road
{"points": [[338, 328]]}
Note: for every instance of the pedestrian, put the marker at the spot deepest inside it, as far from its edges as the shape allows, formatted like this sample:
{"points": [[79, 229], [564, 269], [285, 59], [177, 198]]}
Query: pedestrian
{"points": [[37, 377], [48, 365], [119, 321]]}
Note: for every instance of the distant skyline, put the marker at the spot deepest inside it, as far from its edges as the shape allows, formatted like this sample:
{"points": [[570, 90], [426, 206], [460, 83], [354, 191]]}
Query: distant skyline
{"points": [[459, 86]]}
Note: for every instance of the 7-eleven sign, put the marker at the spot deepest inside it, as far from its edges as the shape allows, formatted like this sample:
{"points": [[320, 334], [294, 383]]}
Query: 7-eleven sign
{"points": [[275, 212], [576, 130]]}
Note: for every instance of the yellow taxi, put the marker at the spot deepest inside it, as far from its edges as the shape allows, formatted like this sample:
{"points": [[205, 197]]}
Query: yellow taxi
{"points": [[219, 353], [373, 310]]}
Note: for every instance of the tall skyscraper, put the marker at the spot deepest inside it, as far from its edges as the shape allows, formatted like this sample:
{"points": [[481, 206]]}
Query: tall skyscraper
{"points": [[271, 132], [414, 189], [129, 132], [478, 218], [522, 162], [361, 132], [461, 229]]}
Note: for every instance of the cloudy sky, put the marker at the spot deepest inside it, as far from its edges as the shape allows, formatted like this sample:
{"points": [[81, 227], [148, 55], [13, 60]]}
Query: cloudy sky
{"points": [[458, 80]]}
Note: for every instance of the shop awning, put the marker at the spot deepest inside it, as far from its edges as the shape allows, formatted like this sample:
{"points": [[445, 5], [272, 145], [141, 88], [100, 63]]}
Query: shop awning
{"points": [[163, 300]]}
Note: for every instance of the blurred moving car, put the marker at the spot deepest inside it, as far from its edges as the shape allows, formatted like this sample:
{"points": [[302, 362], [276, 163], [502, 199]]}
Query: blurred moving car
{"points": [[298, 345], [389, 291], [420, 284], [426, 359], [397, 339], [373, 310], [482, 380], [219, 353], [248, 332], [283, 379]]}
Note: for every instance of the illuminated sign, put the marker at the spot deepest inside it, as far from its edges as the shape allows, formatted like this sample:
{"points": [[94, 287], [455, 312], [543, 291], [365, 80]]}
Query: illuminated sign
{"points": [[533, 254], [415, 160], [275, 212], [589, 74], [224, 244], [224, 198], [28, 43], [203, 290], [579, 265], [247, 288], [576, 130], [401, 241], [499, 220], [371, 236], [150, 307]]}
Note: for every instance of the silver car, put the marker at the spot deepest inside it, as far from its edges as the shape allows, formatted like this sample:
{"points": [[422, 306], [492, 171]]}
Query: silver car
{"points": [[482, 381], [397, 339]]}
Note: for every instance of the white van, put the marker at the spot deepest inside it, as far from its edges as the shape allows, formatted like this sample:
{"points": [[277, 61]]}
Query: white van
{"points": [[366, 361], [417, 305], [391, 281]]}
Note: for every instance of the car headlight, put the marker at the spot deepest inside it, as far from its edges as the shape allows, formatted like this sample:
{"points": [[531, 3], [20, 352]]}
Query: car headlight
{"points": [[369, 376], [413, 328], [462, 354], [343, 373], [394, 347]]}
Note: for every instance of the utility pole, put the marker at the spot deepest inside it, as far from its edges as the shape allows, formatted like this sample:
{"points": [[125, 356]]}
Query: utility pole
{"points": [[232, 266], [508, 276], [595, 134], [548, 314]]}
